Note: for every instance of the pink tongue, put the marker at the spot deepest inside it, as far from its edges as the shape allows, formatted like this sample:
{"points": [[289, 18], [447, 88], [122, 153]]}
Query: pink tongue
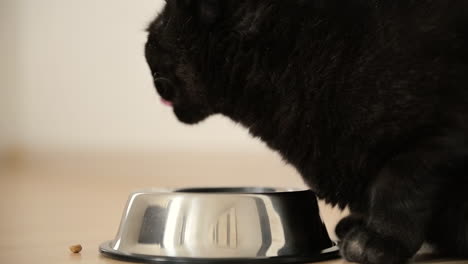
{"points": [[165, 102]]}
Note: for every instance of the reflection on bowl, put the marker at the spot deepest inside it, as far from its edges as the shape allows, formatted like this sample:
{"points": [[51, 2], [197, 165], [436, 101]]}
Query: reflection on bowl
{"points": [[221, 224]]}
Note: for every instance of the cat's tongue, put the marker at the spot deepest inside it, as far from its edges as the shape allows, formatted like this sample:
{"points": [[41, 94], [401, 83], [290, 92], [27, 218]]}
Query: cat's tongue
{"points": [[165, 102]]}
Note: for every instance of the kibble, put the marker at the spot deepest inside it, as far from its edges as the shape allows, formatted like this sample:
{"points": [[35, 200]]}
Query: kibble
{"points": [[76, 248]]}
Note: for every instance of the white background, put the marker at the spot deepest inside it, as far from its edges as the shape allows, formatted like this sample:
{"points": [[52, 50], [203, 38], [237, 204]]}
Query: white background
{"points": [[73, 77]]}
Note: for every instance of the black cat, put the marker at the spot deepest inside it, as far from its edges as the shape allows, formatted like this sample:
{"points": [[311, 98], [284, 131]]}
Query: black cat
{"points": [[367, 99]]}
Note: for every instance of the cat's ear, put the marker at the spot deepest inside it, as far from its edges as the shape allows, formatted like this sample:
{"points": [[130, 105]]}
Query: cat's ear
{"points": [[183, 4], [208, 12]]}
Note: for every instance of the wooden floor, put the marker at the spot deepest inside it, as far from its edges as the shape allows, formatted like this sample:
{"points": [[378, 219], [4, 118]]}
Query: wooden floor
{"points": [[52, 201]]}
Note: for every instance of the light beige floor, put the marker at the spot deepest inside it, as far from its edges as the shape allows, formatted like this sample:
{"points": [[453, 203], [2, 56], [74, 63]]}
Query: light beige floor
{"points": [[49, 202]]}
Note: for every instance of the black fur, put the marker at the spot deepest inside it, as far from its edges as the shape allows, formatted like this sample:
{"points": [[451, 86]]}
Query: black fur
{"points": [[367, 99]]}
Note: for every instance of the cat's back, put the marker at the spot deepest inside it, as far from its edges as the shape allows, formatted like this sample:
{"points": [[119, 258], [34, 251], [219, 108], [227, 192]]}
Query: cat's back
{"points": [[408, 70], [436, 29]]}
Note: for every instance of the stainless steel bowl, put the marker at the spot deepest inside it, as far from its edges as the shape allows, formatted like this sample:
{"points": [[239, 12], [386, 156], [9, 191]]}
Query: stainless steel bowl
{"points": [[203, 225]]}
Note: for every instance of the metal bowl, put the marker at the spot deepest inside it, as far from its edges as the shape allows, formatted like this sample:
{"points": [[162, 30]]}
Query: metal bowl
{"points": [[208, 225]]}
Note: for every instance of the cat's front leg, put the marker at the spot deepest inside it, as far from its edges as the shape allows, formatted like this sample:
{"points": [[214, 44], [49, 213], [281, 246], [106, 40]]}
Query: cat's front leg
{"points": [[401, 203]]}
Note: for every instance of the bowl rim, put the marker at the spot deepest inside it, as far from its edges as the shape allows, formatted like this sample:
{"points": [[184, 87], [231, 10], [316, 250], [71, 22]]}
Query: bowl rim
{"points": [[224, 190]]}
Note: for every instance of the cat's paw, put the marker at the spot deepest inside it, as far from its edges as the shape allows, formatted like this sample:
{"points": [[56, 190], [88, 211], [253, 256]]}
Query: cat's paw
{"points": [[364, 246], [347, 224]]}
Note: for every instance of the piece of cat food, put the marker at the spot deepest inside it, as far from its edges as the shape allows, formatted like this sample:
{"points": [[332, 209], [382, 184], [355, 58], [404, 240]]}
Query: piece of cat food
{"points": [[76, 248]]}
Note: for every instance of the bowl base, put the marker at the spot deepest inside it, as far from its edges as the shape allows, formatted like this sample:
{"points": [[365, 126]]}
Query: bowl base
{"points": [[108, 251]]}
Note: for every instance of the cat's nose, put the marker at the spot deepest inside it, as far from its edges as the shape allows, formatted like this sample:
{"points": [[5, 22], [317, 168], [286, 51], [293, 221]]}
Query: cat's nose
{"points": [[164, 88]]}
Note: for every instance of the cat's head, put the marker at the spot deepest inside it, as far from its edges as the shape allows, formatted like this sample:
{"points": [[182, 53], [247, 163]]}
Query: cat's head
{"points": [[176, 41]]}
